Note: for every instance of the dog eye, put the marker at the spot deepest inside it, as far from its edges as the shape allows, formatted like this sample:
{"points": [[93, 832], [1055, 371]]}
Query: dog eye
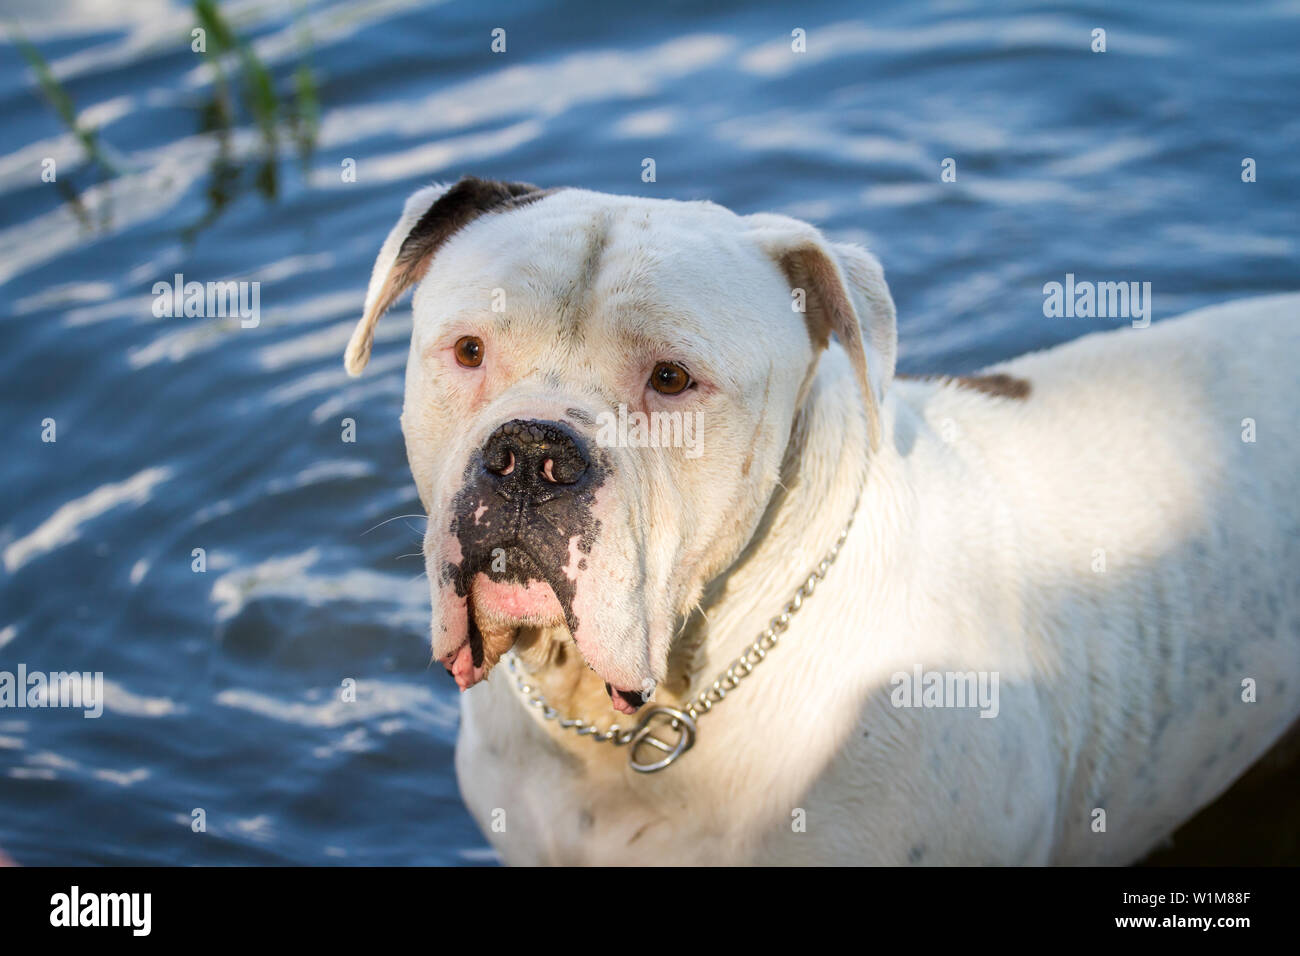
{"points": [[669, 378], [469, 351]]}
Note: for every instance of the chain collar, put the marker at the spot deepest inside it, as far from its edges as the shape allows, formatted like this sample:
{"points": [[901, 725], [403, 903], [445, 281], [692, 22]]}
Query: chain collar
{"points": [[682, 721]]}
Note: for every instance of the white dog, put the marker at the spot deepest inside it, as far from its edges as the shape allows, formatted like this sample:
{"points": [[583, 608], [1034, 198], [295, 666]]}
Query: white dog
{"points": [[1066, 614]]}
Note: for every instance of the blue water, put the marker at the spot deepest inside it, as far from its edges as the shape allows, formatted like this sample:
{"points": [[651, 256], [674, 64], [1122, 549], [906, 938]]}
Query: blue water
{"points": [[174, 434]]}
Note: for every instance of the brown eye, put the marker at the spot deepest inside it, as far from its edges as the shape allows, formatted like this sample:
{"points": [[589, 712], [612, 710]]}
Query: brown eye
{"points": [[469, 351], [668, 378]]}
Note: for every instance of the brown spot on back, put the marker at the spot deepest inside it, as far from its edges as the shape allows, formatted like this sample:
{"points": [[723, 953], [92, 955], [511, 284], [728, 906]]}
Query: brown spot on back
{"points": [[1004, 386], [998, 384]]}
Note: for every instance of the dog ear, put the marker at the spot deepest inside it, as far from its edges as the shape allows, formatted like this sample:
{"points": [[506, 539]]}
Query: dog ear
{"points": [[431, 216], [844, 292]]}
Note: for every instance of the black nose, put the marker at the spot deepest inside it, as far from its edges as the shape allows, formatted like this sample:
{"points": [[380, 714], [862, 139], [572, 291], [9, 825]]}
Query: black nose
{"points": [[536, 460]]}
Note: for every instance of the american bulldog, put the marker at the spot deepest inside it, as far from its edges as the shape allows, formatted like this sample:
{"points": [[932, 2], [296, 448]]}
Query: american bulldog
{"points": [[1040, 615]]}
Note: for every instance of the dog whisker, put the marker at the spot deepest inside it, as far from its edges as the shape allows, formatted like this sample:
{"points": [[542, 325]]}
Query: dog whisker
{"points": [[393, 518]]}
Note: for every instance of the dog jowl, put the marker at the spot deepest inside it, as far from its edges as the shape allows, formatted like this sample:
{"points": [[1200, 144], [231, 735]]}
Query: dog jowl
{"points": [[524, 525]]}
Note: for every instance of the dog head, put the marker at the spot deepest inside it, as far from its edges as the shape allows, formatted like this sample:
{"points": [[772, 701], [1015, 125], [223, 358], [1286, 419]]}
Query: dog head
{"points": [[599, 396]]}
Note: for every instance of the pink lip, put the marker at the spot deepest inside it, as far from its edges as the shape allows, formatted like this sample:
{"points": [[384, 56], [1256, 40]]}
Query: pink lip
{"points": [[533, 602], [506, 604], [462, 668], [619, 704]]}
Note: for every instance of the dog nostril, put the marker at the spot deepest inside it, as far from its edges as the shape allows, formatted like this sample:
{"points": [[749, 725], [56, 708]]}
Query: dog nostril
{"points": [[499, 460], [564, 469]]}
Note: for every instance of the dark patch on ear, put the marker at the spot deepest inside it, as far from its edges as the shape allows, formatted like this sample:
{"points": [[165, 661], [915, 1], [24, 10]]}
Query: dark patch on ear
{"points": [[450, 212], [998, 384], [829, 309], [796, 273], [460, 205]]}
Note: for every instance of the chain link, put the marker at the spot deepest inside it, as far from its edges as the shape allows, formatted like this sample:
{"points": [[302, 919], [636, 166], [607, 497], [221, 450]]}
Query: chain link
{"points": [[725, 682]]}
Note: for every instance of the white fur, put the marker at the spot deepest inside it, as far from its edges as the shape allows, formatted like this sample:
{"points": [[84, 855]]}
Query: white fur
{"points": [[974, 549]]}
